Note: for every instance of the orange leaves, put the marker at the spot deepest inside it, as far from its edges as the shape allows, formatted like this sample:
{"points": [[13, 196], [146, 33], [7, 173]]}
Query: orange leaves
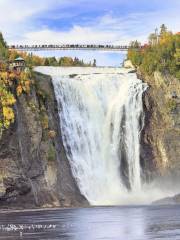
{"points": [[31, 60], [9, 81], [8, 115], [24, 83], [12, 76], [7, 100], [19, 90], [27, 86], [6, 79]]}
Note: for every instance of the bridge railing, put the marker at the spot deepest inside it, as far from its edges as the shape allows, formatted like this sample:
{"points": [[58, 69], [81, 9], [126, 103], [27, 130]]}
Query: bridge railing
{"points": [[68, 46]]}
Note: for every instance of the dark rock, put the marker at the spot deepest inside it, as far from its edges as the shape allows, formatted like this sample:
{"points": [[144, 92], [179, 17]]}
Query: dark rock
{"points": [[160, 138], [133, 71], [168, 200], [31, 178]]}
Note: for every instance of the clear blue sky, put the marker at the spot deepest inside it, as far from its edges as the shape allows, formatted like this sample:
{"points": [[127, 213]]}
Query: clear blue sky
{"points": [[85, 21]]}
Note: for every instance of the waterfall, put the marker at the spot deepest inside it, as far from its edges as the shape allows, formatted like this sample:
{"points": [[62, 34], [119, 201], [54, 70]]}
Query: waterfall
{"points": [[100, 113]]}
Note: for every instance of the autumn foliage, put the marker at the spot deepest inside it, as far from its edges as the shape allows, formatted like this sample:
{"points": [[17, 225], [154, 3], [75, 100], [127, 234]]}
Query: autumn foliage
{"points": [[12, 85], [161, 54]]}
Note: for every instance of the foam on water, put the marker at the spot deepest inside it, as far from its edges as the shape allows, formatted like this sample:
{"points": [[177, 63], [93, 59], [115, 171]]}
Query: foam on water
{"points": [[101, 117]]}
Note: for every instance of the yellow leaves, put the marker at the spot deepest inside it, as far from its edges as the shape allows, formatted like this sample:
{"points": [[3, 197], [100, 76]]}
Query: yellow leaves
{"points": [[8, 115], [19, 90], [12, 76], [7, 100], [3, 66], [24, 83], [165, 38], [11, 100], [27, 86], [6, 79], [4, 76], [30, 59], [9, 81]]}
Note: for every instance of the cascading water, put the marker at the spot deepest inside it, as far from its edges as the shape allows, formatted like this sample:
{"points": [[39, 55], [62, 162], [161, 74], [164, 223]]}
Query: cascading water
{"points": [[100, 112]]}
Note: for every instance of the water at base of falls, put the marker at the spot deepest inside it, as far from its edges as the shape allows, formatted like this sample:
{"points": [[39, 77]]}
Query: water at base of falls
{"points": [[101, 117]]}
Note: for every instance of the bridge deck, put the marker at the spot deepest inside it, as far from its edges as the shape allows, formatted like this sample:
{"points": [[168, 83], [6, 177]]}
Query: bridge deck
{"points": [[68, 47]]}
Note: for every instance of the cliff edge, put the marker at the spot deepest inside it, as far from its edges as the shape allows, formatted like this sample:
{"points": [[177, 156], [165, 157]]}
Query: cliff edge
{"points": [[160, 141], [34, 170]]}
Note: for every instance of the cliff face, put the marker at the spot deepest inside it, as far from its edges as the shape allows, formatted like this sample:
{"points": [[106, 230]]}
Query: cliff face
{"points": [[160, 142], [34, 170]]}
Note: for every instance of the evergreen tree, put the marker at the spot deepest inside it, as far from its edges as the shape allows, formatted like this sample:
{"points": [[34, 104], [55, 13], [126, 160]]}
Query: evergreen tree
{"points": [[163, 29], [46, 62], [3, 48], [53, 61], [94, 63], [163, 53], [2, 42], [135, 44]]}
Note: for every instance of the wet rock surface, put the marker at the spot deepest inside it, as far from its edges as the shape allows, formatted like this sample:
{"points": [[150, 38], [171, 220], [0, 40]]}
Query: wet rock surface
{"points": [[34, 170], [160, 141], [168, 200]]}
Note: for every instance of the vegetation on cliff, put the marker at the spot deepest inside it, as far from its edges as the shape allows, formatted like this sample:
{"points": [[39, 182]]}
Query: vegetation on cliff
{"points": [[13, 84], [162, 53], [158, 64]]}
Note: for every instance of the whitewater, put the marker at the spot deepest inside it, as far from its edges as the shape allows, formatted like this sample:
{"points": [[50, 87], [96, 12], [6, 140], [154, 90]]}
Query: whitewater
{"points": [[101, 119]]}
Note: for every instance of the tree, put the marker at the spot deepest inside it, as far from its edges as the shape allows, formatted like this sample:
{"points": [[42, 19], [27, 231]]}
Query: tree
{"points": [[76, 62], [177, 57], [3, 43], [13, 55], [163, 29], [53, 61], [135, 44], [3, 48], [163, 53], [46, 62], [66, 61], [94, 63], [153, 39]]}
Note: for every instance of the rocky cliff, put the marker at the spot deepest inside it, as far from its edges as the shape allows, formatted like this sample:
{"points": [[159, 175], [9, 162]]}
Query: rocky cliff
{"points": [[34, 170], [160, 142]]}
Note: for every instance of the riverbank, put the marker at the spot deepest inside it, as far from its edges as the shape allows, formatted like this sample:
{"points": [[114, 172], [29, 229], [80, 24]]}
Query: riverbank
{"points": [[93, 223]]}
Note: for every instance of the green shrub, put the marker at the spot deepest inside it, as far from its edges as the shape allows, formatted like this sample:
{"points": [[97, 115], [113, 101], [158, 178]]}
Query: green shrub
{"points": [[51, 153], [171, 105], [161, 54]]}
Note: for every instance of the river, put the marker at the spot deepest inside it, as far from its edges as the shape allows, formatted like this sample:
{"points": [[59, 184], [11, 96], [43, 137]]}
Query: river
{"points": [[101, 118], [113, 223]]}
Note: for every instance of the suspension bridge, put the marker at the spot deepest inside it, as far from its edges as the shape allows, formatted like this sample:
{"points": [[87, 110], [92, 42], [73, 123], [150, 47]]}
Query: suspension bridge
{"points": [[69, 47]]}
